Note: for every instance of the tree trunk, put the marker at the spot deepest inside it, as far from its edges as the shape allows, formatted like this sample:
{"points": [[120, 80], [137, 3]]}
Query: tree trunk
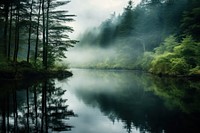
{"points": [[37, 34], [44, 41], [28, 111], [3, 114], [47, 32], [8, 111], [44, 108], [16, 34], [10, 31], [35, 103], [29, 36], [15, 110], [6, 12]]}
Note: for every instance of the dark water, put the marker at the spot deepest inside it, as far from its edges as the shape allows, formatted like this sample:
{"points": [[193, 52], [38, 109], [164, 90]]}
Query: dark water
{"points": [[101, 101]]}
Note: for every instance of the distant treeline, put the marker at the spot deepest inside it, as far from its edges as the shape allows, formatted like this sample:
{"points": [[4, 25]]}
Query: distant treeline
{"points": [[34, 31], [161, 36]]}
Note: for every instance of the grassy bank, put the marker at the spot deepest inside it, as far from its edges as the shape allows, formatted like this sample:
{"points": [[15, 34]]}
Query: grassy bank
{"points": [[24, 70]]}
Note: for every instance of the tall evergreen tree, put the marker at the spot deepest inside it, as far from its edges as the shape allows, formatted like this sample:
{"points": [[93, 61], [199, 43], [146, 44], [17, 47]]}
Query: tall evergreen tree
{"points": [[37, 29], [16, 48], [44, 35], [56, 32], [29, 31], [23, 20], [10, 31]]}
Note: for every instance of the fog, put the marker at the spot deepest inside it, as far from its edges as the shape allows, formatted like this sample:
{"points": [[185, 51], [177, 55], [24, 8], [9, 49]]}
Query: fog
{"points": [[91, 13], [99, 57], [79, 57], [121, 39]]}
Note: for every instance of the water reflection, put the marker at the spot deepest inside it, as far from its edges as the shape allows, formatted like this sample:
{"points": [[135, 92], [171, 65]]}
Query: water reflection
{"points": [[106, 102], [143, 102], [33, 107]]}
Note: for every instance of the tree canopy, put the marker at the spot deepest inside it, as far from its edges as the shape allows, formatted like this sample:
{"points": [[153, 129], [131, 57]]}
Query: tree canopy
{"points": [[35, 31], [161, 36]]}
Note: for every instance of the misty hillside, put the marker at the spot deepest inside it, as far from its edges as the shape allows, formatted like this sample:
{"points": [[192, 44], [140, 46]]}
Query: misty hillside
{"points": [[160, 36]]}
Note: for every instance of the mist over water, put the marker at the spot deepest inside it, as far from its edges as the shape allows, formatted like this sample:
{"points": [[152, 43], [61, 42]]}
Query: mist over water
{"points": [[122, 40], [109, 97], [86, 57]]}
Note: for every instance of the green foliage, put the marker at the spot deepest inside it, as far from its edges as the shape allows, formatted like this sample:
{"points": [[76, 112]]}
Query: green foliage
{"points": [[5, 66], [58, 39], [167, 46], [161, 64], [158, 36], [38, 65], [61, 66], [145, 60], [195, 71], [175, 58], [189, 50], [176, 92], [44, 29], [179, 66]]}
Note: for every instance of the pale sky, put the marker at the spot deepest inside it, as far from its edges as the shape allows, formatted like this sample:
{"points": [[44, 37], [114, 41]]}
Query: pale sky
{"points": [[91, 13]]}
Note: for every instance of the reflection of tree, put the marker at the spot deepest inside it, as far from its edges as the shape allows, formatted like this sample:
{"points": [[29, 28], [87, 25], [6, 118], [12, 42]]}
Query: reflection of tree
{"points": [[130, 97], [37, 108], [8, 106], [128, 126], [57, 109], [180, 93], [3, 114]]}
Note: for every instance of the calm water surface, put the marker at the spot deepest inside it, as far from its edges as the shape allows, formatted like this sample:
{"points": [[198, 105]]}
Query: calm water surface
{"points": [[102, 101]]}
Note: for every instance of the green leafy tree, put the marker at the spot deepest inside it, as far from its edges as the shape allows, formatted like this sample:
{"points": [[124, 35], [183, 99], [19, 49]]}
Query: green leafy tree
{"points": [[175, 58], [167, 46], [189, 50]]}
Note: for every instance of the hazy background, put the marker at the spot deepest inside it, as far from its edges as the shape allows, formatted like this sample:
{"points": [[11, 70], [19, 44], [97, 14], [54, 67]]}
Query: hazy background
{"points": [[127, 34], [91, 13]]}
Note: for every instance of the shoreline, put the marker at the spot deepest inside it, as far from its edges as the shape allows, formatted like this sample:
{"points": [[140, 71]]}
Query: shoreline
{"points": [[33, 74], [192, 76]]}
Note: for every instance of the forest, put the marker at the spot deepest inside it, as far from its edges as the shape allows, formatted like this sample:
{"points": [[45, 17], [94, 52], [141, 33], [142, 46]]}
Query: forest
{"points": [[141, 67], [33, 34], [158, 36]]}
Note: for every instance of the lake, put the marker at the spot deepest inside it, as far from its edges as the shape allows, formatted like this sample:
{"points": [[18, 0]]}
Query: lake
{"points": [[101, 101]]}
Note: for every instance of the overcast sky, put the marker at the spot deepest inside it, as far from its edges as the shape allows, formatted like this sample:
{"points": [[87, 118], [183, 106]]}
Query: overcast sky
{"points": [[91, 13]]}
